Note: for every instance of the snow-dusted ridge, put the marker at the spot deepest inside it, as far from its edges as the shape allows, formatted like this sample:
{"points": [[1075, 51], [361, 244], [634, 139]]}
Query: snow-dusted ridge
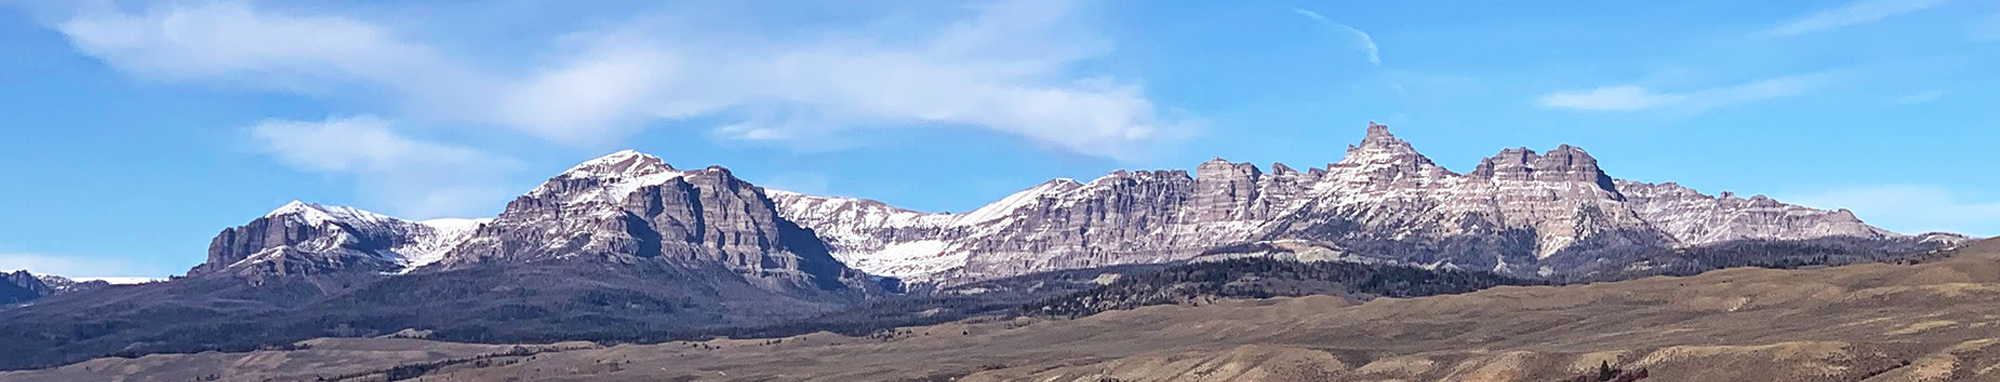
{"points": [[1382, 200], [425, 241], [341, 234], [1521, 212]]}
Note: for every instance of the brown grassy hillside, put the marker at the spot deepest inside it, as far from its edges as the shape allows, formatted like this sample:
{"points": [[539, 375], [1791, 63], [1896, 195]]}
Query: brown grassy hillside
{"points": [[1874, 322]]}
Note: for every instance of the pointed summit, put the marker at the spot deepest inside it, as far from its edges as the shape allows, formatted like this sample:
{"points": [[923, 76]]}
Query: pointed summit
{"points": [[1377, 131], [294, 207], [622, 164], [1382, 149], [608, 178], [1281, 169]]}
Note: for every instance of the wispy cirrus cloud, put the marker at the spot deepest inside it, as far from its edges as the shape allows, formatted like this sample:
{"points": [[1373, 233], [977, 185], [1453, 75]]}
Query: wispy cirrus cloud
{"points": [[1010, 66], [1362, 40], [1855, 13], [417, 179], [1628, 98]]}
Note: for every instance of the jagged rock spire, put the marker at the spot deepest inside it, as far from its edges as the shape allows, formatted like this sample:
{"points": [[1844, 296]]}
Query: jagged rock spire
{"points": [[1281, 169], [1377, 131], [1383, 151]]}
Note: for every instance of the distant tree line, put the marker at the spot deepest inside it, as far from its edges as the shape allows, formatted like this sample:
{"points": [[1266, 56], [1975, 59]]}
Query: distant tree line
{"points": [[1746, 253], [1265, 278]]}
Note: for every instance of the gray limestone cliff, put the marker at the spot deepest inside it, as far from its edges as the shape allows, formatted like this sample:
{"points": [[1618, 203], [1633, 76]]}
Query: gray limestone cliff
{"points": [[1519, 212]]}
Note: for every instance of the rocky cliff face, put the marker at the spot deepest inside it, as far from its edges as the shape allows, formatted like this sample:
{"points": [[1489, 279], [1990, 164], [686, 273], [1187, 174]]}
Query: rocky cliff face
{"points": [[302, 238], [623, 208], [1519, 212], [1692, 217], [620, 248], [630, 207], [15, 289]]}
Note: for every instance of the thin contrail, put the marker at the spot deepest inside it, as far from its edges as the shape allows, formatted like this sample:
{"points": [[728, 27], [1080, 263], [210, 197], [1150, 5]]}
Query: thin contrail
{"points": [[1365, 41]]}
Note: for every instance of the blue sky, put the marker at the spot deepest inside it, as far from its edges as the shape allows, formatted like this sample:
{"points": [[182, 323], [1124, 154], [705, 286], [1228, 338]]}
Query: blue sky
{"points": [[135, 131]]}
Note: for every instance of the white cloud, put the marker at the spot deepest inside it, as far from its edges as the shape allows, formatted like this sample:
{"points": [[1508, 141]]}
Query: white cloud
{"points": [[1856, 13], [1361, 39], [1911, 208], [74, 267], [1625, 98], [416, 179], [231, 42], [1011, 66]]}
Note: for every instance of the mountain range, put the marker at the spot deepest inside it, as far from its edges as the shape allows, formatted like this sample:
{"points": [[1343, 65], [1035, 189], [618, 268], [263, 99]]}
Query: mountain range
{"points": [[1519, 213], [627, 246], [616, 247], [1862, 323], [622, 208]]}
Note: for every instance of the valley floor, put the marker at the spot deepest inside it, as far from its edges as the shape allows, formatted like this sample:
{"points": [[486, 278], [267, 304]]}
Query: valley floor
{"points": [[1876, 322]]}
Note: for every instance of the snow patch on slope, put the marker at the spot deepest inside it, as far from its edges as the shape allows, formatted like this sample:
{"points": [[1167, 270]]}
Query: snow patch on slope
{"points": [[619, 175], [422, 243], [445, 234], [1006, 206], [905, 259], [1381, 193]]}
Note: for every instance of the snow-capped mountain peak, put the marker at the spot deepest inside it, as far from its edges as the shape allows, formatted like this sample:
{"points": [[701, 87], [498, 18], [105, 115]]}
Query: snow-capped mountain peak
{"points": [[317, 214], [1521, 212], [609, 178], [622, 164], [295, 207]]}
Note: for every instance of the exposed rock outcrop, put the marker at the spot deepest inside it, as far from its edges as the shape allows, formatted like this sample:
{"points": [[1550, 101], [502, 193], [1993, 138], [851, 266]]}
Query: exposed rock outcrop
{"points": [[1520, 213], [303, 238], [629, 207], [623, 208]]}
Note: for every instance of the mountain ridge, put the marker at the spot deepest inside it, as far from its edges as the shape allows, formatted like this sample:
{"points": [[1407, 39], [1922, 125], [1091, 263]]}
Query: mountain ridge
{"points": [[620, 247], [1515, 213], [620, 208], [20, 286], [306, 238]]}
